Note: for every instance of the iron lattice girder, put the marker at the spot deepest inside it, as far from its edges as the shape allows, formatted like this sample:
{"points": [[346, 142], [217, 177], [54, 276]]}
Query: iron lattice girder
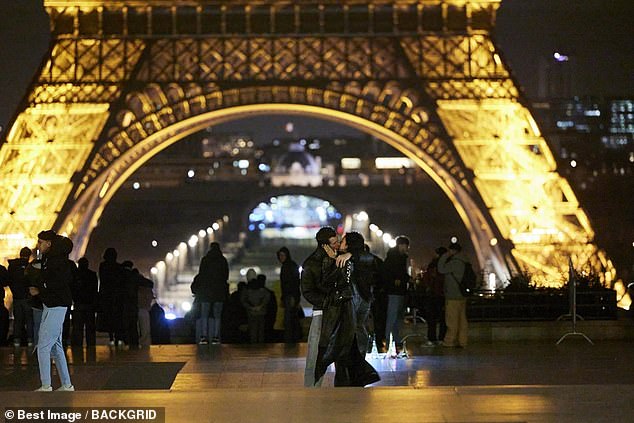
{"points": [[514, 171], [82, 67], [46, 145], [157, 18], [386, 103]]}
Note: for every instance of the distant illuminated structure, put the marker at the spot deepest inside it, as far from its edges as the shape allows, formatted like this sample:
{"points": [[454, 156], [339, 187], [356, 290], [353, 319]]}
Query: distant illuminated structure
{"points": [[621, 124], [297, 168], [292, 217], [125, 79]]}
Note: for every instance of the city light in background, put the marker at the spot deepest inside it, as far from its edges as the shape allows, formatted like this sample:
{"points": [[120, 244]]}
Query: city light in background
{"points": [[172, 276]]}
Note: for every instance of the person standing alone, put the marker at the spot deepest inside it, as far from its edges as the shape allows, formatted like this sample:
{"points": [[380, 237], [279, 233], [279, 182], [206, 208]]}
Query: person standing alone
{"points": [[289, 281], [53, 287], [396, 281], [452, 265], [213, 274]]}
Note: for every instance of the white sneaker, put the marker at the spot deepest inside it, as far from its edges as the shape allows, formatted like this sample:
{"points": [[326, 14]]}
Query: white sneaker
{"points": [[63, 388], [48, 388]]}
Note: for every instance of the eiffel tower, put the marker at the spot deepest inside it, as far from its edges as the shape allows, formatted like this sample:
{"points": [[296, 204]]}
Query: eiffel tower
{"points": [[124, 79]]}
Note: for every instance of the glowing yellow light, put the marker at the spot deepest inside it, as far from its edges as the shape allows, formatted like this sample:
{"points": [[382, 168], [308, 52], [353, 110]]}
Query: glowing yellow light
{"points": [[104, 190]]}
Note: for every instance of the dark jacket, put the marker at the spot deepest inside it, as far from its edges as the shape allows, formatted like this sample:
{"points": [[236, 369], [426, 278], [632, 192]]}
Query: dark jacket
{"points": [[367, 274], [289, 277], [395, 268], [57, 274], [110, 284], [84, 290], [337, 341], [111, 292], [17, 278], [433, 281], [4, 276], [213, 275], [312, 280], [131, 279]]}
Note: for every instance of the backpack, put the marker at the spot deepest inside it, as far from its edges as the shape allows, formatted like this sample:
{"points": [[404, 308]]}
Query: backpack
{"points": [[468, 281]]}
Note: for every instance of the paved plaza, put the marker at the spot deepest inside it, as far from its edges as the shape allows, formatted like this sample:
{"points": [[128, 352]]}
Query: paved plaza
{"points": [[485, 382]]}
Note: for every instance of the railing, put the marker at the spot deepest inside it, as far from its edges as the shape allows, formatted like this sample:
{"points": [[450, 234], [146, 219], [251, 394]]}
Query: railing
{"points": [[526, 306]]}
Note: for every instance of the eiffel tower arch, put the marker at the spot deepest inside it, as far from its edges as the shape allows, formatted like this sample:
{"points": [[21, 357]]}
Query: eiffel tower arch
{"points": [[124, 79]]}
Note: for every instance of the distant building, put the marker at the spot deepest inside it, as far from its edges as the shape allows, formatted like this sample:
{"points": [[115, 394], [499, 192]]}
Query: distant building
{"points": [[580, 123], [620, 125], [297, 168]]}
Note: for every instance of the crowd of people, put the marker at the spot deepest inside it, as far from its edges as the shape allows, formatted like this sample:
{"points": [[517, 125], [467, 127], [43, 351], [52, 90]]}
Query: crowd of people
{"points": [[57, 302], [358, 302], [249, 313], [353, 293]]}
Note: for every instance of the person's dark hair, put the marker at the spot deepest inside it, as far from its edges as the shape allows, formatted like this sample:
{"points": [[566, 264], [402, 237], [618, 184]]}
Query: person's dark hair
{"points": [[355, 242], [285, 251], [251, 275], [366, 248], [127, 264], [48, 235], [454, 246], [110, 254], [441, 250], [25, 252], [82, 263], [214, 248], [63, 245], [324, 234], [402, 239]]}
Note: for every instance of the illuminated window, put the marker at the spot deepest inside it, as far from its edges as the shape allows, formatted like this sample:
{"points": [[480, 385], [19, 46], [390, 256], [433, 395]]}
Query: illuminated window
{"points": [[392, 162], [351, 163]]}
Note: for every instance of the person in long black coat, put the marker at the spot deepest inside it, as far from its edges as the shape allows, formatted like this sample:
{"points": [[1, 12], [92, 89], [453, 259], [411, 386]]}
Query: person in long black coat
{"points": [[234, 318], [84, 290], [111, 289], [289, 284], [212, 291], [338, 342]]}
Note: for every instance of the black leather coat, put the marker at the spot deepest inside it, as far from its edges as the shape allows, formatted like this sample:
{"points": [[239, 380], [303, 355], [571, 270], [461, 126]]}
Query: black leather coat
{"points": [[337, 343]]}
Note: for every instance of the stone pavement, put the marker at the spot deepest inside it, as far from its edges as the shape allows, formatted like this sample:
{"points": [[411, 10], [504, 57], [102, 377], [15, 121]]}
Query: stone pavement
{"points": [[485, 382]]}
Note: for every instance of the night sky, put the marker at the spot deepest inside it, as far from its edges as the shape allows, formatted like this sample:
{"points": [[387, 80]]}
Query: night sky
{"points": [[597, 33]]}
